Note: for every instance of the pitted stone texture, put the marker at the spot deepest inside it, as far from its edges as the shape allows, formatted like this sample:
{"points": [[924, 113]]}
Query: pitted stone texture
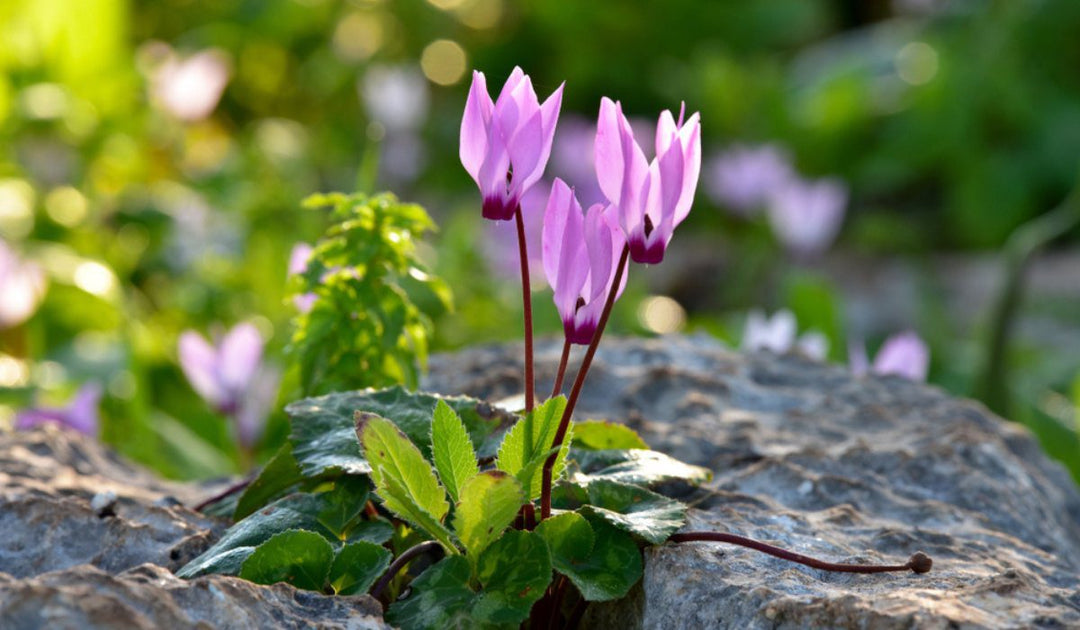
{"points": [[151, 597], [48, 481], [852, 470]]}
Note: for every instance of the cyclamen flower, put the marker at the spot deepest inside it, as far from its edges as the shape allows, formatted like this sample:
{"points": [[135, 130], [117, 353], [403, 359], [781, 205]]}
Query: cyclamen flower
{"points": [[230, 377], [777, 334], [22, 285], [903, 354], [806, 215], [81, 414], [505, 145], [652, 198], [581, 256], [742, 178]]}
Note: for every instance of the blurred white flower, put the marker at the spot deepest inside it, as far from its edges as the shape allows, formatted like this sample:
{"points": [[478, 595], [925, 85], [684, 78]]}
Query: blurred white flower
{"points": [[190, 88], [395, 96], [743, 177], [777, 334], [22, 285], [806, 215]]}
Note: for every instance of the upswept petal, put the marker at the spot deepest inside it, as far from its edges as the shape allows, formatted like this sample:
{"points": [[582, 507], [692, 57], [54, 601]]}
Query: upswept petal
{"points": [[608, 152], [549, 115], [474, 126], [564, 254], [903, 354], [690, 139], [82, 411], [525, 148], [498, 204], [198, 360], [239, 357]]}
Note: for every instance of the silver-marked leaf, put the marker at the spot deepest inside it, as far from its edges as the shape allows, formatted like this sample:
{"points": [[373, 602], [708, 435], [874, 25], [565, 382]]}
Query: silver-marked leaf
{"points": [[635, 466], [514, 572], [603, 562], [643, 513], [298, 557]]}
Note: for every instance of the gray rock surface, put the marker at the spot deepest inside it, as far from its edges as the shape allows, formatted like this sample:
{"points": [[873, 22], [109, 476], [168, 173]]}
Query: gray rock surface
{"points": [[846, 469], [90, 541]]}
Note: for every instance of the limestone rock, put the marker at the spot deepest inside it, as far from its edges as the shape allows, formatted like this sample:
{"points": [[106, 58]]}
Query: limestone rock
{"points": [[89, 541], [851, 470], [149, 596]]}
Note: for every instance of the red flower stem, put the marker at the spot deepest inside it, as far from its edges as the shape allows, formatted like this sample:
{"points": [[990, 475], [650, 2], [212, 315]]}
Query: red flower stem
{"points": [[227, 492], [562, 368], [586, 362], [919, 562], [400, 562], [526, 299]]}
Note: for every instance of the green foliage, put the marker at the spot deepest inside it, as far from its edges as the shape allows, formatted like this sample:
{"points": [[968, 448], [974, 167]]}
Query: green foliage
{"points": [[298, 557], [324, 539], [529, 443], [489, 503], [451, 449], [597, 435], [402, 477], [602, 561], [364, 327]]}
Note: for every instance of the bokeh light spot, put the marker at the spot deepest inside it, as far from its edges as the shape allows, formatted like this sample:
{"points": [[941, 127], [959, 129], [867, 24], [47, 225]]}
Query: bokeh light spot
{"points": [[661, 314], [66, 205], [917, 63], [358, 36], [16, 208], [443, 62], [94, 278]]}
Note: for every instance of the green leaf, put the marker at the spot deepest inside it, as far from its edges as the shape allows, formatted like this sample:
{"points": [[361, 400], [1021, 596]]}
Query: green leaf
{"points": [[357, 566], [514, 572], [440, 598], [393, 457], [597, 435], [280, 473], [635, 466], [451, 449], [295, 511], [646, 514], [602, 562], [529, 442], [344, 504], [324, 428], [489, 503], [398, 500], [298, 557]]}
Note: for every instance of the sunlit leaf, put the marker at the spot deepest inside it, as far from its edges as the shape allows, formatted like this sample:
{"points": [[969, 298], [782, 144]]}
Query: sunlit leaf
{"points": [[451, 449], [599, 435], [357, 566], [489, 503]]}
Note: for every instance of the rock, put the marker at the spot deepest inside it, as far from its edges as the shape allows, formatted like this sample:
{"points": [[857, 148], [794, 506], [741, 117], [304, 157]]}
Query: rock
{"points": [[817, 461], [89, 541], [149, 596]]}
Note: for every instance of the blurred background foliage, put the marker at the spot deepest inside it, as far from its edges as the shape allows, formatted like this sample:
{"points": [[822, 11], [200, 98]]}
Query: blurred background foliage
{"points": [[154, 154]]}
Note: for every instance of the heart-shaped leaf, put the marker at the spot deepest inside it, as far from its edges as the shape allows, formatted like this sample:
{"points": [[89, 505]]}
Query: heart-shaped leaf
{"points": [[297, 557], [357, 566]]}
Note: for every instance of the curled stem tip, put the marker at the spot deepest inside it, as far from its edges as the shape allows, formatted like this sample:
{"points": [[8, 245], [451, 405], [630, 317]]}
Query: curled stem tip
{"points": [[919, 562]]}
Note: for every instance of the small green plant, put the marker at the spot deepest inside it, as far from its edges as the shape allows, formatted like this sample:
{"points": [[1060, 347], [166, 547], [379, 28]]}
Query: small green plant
{"points": [[367, 298], [534, 515]]}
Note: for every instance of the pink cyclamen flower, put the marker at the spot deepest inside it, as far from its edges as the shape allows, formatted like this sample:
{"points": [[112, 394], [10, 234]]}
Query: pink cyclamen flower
{"points": [[505, 145], [652, 198], [777, 334], [22, 285], [742, 178], [230, 376], [298, 261], [81, 414], [903, 354], [806, 215], [581, 255]]}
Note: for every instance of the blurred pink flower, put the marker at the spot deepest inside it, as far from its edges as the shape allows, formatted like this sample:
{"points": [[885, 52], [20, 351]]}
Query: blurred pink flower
{"points": [[500, 246], [298, 260], [806, 215], [231, 378], [743, 177], [777, 334], [81, 413], [22, 285], [903, 354], [191, 88]]}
